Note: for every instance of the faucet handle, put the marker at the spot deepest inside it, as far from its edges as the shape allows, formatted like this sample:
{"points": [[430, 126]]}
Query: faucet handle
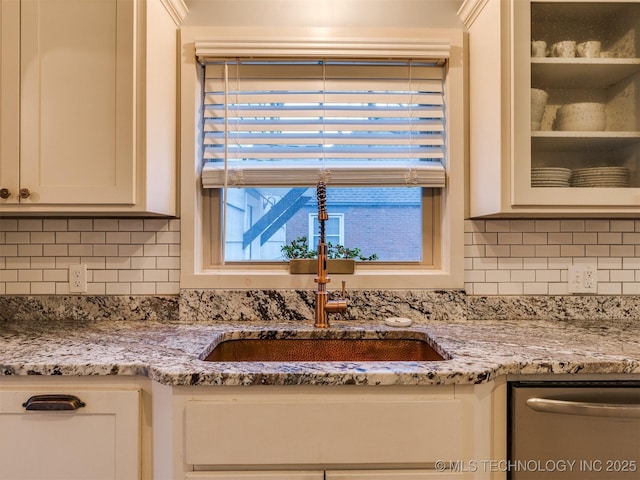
{"points": [[344, 289]]}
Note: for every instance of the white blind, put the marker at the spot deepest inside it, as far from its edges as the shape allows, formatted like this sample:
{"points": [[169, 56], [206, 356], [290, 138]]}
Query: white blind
{"points": [[292, 123]]}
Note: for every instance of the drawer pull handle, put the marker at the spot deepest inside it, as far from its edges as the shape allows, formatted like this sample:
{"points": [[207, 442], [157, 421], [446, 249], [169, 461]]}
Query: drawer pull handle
{"points": [[567, 407], [53, 402]]}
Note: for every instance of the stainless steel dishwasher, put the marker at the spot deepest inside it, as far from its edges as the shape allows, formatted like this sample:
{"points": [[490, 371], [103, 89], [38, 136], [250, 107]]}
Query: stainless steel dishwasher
{"points": [[573, 430]]}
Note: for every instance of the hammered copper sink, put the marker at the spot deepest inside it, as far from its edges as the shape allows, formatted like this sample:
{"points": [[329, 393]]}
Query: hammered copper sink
{"points": [[324, 350]]}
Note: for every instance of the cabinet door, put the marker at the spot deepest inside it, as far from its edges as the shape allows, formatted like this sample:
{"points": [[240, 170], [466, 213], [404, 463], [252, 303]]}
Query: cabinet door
{"points": [[98, 441], [278, 429], [77, 101], [328, 475], [257, 475], [9, 100], [577, 129], [390, 475]]}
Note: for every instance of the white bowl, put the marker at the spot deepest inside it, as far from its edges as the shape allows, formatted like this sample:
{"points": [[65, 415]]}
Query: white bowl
{"points": [[581, 108], [583, 116]]}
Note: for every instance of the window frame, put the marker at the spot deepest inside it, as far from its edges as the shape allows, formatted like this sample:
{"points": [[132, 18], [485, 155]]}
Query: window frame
{"points": [[443, 209]]}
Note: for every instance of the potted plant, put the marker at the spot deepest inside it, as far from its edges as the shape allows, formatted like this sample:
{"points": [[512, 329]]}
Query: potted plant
{"points": [[303, 259]]}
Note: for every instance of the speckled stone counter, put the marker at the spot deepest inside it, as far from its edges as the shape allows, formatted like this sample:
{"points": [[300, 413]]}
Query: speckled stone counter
{"points": [[169, 352]]}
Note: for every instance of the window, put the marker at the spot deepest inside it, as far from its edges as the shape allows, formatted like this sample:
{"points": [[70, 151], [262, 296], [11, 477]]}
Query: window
{"points": [[370, 123], [373, 127], [334, 230]]}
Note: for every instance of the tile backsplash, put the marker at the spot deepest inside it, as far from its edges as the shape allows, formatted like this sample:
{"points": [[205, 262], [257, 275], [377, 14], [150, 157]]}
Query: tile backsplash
{"points": [[142, 256], [123, 256], [531, 257]]}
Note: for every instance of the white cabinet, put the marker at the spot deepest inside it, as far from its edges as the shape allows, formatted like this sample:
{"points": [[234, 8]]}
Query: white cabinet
{"points": [[327, 475], [391, 475], [69, 433], [9, 99], [257, 475], [562, 162], [76, 116], [366, 433], [306, 430], [88, 107]]}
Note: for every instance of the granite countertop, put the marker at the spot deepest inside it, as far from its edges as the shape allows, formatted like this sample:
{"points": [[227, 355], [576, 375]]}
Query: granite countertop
{"points": [[168, 352]]}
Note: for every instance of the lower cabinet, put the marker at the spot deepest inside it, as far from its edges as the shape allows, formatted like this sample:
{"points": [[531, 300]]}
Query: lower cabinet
{"points": [[272, 475], [390, 475], [327, 475], [53, 432], [327, 432]]}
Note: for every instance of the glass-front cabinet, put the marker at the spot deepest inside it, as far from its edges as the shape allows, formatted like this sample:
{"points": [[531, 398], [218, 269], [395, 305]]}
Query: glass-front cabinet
{"points": [[560, 126]]}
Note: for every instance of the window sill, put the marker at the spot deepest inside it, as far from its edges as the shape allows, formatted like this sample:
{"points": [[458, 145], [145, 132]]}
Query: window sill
{"points": [[278, 278]]}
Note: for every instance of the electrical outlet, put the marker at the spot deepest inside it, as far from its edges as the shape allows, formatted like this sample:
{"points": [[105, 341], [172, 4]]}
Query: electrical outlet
{"points": [[78, 278], [583, 279]]}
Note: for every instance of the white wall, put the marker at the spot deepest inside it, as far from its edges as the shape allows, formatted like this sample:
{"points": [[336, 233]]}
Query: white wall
{"points": [[325, 13]]}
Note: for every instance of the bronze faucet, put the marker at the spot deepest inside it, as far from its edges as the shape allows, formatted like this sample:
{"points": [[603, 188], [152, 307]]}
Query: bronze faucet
{"points": [[324, 306]]}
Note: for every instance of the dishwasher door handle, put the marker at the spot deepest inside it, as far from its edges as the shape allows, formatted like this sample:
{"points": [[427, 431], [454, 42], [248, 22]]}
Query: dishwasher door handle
{"points": [[592, 409]]}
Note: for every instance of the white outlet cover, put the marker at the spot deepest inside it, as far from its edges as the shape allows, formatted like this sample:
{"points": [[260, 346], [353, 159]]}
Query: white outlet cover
{"points": [[583, 279], [78, 278]]}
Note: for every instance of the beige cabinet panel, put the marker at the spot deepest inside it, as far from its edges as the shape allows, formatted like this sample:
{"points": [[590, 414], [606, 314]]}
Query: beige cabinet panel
{"points": [[257, 475], [77, 118], [390, 475], [349, 432], [9, 100], [275, 430], [328, 475], [100, 440]]}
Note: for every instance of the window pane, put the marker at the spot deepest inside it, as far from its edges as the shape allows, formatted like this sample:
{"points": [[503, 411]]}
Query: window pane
{"points": [[382, 221], [333, 230]]}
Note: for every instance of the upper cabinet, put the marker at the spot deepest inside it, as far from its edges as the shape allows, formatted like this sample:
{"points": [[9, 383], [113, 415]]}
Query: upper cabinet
{"points": [[88, 109], [554, 100]]}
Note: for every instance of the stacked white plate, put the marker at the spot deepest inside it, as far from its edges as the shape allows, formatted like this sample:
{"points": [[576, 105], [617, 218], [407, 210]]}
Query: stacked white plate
{"points": [[550, 177], [612, 177]]}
